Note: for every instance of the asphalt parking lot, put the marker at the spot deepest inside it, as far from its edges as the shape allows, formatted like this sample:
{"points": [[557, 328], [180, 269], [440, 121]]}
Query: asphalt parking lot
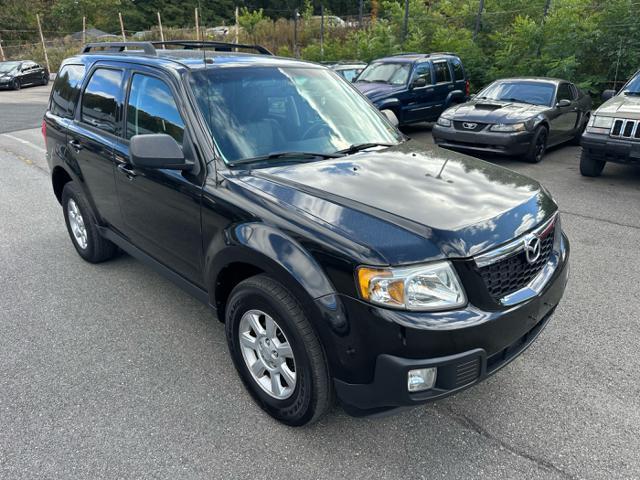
{"points": [[110, 371]]}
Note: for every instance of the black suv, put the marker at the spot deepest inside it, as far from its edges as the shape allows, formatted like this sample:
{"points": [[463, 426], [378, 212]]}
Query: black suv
{"points": [[416, 87], [345, 260]]}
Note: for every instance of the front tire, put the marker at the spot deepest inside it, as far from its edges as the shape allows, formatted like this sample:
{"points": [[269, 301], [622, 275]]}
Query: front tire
{"points": [[16, 85], [277, 352], [82, 227], [590, 167], [538, 146]]}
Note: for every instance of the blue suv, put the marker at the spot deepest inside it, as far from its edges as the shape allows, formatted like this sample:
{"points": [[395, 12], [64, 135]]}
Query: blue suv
{"points": [[416, 87]]}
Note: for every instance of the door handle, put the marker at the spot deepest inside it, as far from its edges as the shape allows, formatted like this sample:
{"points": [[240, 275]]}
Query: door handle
{"points": [[450, 87], [75, 144], [127, 170]]}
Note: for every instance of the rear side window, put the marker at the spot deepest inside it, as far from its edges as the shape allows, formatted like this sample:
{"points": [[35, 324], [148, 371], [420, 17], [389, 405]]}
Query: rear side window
{"points": [[442, 72], [66, 90], [100, 99], [152, 109], [458, 71]]}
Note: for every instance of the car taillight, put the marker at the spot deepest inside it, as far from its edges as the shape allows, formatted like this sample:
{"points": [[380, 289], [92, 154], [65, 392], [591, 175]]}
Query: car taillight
{"points": [[467, 88], [43, 129]]}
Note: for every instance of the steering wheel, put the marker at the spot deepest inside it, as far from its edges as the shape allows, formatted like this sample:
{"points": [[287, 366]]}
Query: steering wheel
{"points": [[314, 129]]}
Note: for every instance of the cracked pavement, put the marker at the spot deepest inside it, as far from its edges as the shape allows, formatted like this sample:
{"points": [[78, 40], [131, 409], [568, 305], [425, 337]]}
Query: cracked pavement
{"points": [[111, 371]]}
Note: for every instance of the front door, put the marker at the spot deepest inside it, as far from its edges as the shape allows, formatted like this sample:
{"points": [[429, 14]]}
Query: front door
{"points": [[566, 117], [160, 208], [421, 98]]}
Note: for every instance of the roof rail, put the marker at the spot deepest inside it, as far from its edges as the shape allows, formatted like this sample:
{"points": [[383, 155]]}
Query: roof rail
{"points": [[217, 46], [146, 47]]}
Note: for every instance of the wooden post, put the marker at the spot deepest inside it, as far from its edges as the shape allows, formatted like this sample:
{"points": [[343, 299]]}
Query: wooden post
{"points": [[197, 27], [360, 8], [124, 37], [405, 25], [237, 25], [2, 52], [44, 47], [478, 18], [84, 30], [160, 25], [321, 31], [295, 33]]}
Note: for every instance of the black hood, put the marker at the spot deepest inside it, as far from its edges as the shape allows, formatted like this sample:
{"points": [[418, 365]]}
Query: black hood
{"points": [[410, 203], [495, 111]]}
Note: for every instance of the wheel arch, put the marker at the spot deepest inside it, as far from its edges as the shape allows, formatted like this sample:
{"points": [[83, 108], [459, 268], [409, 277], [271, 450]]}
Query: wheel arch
{"points": [[59, 178]]}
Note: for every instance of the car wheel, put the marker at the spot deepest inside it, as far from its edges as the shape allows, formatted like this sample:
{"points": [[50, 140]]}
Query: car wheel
{"points": [[276, 351], [538, 146], [82, 227], [590, 167], [45, 80], [16, 84]]}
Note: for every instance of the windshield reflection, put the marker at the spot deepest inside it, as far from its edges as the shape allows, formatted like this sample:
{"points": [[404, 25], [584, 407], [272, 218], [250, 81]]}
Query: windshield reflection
{"points": [[260, 111]]}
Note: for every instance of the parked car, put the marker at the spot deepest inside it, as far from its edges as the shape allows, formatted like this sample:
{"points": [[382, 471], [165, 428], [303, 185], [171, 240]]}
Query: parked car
{"points": [[516, 116], [613, 132], [347, 70], [344, 259], [21, 73], [415, 87]]}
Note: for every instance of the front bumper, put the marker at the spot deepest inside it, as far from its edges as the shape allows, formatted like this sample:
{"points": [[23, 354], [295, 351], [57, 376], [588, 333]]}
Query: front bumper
{"points": [[463, 357], [607, 149], [483, 141]]}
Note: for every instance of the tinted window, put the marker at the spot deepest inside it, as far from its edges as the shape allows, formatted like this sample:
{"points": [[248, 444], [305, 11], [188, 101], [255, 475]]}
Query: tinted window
{"points": [[442, 72], [152, 109], [66, 90], [391, 73], [100, 99], [423, 70], [536, 93], [564, 92], [633, 85], [458, 71]]}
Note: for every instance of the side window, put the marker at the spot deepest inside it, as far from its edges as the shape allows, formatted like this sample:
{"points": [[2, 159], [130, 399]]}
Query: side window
{"points": [[458, 71], [423, 70], [66, 89], [152, 109], [564, 92], [100, 99], [443, 75]]}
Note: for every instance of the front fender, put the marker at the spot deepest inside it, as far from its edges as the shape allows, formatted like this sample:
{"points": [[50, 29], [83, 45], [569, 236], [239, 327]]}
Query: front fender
{"points": [[389, 103], [269, 249]]}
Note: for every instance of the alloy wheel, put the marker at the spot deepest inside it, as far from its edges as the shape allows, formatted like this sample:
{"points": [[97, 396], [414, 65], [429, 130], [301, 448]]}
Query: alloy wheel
{"points": [[76, 222], [267, 354]]}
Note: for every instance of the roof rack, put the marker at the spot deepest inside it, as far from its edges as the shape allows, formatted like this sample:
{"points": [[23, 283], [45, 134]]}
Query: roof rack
{"points": [[149, 48], [422, 54]]}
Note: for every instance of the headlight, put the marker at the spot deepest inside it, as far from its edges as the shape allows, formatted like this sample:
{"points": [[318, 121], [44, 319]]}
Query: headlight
{"points": [[426, 287], [509, 127], [599, 124], [444, 122]]}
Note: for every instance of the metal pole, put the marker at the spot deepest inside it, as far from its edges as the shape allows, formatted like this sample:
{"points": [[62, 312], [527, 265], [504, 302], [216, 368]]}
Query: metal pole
{"points": [[321, 32], [160, 25], [295, 33], [124, 37], [44, 47], [84, 30], [360, 9], [197, 26], [237, 25], [405, 27], [2, 52], [476, 30]]}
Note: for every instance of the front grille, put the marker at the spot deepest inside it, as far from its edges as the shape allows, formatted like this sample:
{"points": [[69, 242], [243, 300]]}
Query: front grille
{"points": [[626, 129], [515, 272], [467, 372], [476, 126]]}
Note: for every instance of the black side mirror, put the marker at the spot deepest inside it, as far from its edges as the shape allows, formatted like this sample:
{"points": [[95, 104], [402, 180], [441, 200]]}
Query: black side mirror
{"points": [[419, 82], [563, 103], [608, 94], [157, 150]]}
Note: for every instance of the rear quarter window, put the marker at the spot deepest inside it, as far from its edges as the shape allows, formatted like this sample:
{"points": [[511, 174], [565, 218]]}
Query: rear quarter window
{"points": [[66, 90], [458, 71], [101, 98]]}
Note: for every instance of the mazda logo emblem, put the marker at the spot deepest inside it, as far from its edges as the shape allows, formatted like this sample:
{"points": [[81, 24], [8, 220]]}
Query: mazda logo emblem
{"points": [[469, 125], [532, 247]]}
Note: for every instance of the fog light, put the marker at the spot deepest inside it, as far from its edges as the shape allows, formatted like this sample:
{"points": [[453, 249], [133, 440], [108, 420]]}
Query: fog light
{"points": [[421, 379]]}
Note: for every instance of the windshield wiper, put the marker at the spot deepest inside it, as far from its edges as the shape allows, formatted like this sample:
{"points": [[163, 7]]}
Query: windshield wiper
{"points": [[362, 146], [295, 157], [519, 100], [630, 92]]}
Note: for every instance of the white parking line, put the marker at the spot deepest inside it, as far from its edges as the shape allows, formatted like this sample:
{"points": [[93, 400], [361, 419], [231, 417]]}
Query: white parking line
{"points": [[24, 142]]}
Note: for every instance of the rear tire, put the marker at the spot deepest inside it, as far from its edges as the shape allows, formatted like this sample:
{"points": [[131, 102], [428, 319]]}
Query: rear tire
{"points": [[538, 145], [82, 226], [302, 389], [590, 167]]}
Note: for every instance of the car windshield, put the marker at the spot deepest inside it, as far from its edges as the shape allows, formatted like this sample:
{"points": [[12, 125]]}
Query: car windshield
{"points": [[255, 112], [391, 73], [536, 93], [6, 67], [633, 86]]}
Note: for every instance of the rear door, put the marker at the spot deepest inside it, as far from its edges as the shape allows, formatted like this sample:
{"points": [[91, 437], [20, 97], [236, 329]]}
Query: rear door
{"points": [[459, 76], [92, 136], [160, 208], [443, 85]]}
